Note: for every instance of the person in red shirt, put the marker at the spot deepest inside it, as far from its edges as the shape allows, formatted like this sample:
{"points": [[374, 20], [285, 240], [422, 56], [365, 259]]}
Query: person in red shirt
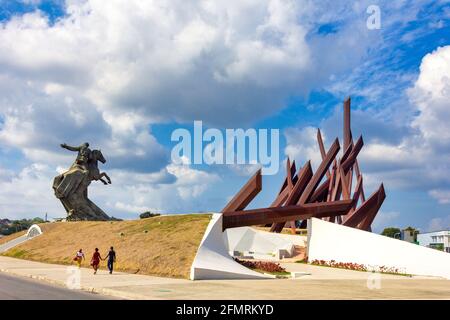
{"points": [[95, 261]]}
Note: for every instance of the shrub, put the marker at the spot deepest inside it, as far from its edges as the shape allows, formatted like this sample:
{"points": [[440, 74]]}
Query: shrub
{"points": [[357, 266], [390, 232], [342, 265], [148, 214], [19, 225]]}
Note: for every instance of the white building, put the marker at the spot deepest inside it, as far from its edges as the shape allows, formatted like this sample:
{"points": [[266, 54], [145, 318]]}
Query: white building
{"points": [[408, 235], [437, 239]]}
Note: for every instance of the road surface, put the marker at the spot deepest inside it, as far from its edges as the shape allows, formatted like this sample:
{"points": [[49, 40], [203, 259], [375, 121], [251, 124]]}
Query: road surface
{"points": [[15, 288]]}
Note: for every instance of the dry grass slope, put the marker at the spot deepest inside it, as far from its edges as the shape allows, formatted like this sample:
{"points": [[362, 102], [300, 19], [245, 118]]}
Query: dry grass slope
{"points": [[163, 246], [11, 237]]}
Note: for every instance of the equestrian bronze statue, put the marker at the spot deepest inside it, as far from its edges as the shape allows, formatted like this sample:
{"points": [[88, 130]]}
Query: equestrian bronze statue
{"points": [[71, 186]]}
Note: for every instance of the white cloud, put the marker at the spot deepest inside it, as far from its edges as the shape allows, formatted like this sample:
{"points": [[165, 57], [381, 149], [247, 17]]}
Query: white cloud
{"points": [[442, 196], [439, 224], [6, 175], [405, 152], [231, 57], [301, 145], [384, 219], [244, 169], [177, 188], [431, 94], [108, 70], [395, 154], [134, 209], [31, 2], [425, 155], [30, 194]]}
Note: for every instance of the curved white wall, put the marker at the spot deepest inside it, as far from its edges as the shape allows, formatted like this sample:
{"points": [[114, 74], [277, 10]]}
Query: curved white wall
{"points": [[34, 231], [212, 260], [330, 241]]}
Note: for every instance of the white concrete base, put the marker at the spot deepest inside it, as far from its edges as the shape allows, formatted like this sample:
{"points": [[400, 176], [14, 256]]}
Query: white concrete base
{"points": [[330, 241], [299, 274], [261, 245], [34, 231], [212, 260]]}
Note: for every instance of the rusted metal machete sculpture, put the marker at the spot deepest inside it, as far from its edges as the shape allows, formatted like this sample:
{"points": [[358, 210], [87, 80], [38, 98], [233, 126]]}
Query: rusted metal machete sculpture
{"points": [[304, 195]]}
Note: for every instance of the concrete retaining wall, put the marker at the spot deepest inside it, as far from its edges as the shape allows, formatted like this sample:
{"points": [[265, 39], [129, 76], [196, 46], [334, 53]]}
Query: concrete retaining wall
{"points": [[330, 241]]}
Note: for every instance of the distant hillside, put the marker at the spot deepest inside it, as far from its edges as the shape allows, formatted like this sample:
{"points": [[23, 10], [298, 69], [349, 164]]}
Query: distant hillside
{"points": [[164, 246]]}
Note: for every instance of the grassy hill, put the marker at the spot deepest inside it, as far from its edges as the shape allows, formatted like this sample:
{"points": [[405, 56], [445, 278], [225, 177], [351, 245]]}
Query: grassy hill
{"points": [[163, 246]]}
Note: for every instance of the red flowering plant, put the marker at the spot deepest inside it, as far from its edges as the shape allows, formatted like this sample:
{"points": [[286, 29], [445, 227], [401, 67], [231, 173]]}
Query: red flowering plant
{"points": [[385, 269], [267, 266], [357, 266], [342, 265]]}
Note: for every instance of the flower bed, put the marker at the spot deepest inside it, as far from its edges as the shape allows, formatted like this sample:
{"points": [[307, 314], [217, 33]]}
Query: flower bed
{"points": [[267, 266], [342, 265], [357, 267], [384, 269]]}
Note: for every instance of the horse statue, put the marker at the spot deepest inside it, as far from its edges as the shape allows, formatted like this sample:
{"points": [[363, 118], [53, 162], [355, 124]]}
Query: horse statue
{"points": [[94, 172], [71, 186]]}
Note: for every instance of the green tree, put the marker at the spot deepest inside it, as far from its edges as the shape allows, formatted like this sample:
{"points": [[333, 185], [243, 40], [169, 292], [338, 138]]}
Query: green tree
{"points": [[19, 225], [438, 246], [37, 220], [148, 214], [390, 232]]}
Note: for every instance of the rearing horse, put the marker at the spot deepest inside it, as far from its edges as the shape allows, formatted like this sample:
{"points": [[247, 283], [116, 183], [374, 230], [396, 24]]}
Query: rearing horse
{"points": [[94, 172]]}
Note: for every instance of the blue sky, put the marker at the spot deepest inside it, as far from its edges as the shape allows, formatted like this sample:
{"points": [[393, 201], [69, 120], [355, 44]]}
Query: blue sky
{"points": [[124, 75], [54, 9]]}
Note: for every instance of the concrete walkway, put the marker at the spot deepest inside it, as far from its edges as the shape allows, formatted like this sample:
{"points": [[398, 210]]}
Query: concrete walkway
{"points": [[322, 283], [118, 284], [15, 242]]}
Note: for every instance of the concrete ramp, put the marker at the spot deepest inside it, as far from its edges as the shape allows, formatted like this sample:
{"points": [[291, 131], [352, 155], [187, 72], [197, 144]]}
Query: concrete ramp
{"points": [[330, 241], [212, 260], [32, 232]]}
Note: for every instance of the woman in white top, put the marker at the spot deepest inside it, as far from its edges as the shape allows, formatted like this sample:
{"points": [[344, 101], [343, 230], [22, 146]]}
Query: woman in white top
{"points": [[79, 257]]}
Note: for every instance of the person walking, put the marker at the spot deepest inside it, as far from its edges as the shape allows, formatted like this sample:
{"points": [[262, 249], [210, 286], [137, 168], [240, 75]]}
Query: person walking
{"points": [[79, 257], [95, 261], [111, 259]]}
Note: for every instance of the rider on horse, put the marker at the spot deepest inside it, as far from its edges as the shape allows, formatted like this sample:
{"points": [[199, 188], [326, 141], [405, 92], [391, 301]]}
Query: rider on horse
{"points": [[83, 157], [71, 186]]}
